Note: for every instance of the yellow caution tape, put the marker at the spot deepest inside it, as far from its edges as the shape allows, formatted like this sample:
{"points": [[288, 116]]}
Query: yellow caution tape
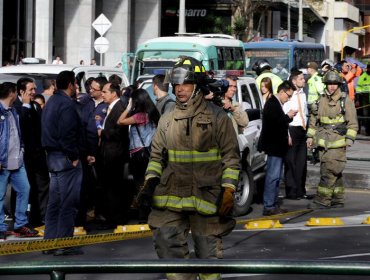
{"points": [[81, 239], [263, 224], [10, 248], [324, 222]]}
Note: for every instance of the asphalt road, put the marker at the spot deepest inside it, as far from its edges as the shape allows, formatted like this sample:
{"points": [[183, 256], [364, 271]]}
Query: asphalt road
{"points": [[294, 241]]}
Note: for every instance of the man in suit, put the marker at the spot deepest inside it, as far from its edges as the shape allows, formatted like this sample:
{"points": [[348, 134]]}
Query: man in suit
{"points": [[274, 142], [114, 155], [29, 113]]}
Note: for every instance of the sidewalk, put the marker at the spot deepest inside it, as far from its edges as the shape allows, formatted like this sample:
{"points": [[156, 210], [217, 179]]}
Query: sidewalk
{"points": [[357, 171]]}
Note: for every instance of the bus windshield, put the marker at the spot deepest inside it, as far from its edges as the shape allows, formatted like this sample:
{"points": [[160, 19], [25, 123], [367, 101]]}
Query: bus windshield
{"points": [[273, 56], [157, 61]]}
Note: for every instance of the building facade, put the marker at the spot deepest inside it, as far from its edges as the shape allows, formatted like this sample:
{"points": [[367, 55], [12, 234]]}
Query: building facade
{"points": [[47, 28]]}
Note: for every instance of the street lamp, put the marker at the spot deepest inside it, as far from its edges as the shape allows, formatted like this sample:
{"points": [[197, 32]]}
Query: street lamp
{"points": [[345, 34]]}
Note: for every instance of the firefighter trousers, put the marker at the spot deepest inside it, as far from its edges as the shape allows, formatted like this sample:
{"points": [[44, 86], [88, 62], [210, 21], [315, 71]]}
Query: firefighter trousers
{"points": [[331, 186], [170, 235]]}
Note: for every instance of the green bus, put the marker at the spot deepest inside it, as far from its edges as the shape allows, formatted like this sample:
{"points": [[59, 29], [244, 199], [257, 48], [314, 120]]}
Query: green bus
{"points": [[219, 53]]}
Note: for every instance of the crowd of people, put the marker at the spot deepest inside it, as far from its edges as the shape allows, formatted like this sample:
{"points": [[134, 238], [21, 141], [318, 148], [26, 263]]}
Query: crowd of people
{"points": [[70, 156], [317, 113]]}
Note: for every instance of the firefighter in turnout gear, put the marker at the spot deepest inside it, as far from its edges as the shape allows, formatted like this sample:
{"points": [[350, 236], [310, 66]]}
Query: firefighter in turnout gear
{"points": [[333, 129], [192, 173]]}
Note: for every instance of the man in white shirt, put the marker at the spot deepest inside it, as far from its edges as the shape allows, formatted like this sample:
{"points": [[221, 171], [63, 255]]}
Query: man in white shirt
{"points": [[296, 157]]}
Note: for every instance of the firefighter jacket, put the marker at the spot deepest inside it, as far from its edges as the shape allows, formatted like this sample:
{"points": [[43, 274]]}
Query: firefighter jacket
{"points": [[363, 84], [275, 80], [195, 153], [335, 124], [315, 88]]}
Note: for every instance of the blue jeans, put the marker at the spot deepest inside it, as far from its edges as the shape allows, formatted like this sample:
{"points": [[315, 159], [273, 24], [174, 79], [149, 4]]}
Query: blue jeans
{"points": [[272, 182], [18, 179], [64, 196]]}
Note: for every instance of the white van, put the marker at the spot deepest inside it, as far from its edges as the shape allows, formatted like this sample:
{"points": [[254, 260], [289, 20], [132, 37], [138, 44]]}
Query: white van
{"points": [[41, 71]]}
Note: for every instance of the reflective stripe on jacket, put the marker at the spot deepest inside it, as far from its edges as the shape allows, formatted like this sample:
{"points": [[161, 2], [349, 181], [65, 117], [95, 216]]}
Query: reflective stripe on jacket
{"points": [[194, 152]]}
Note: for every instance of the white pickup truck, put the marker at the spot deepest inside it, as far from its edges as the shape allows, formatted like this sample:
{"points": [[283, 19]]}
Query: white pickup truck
{"points": [[252, 161]]}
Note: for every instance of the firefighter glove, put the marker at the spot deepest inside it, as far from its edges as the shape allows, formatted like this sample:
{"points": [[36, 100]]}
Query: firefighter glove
{"points": [[227, 203], [145, 195]]}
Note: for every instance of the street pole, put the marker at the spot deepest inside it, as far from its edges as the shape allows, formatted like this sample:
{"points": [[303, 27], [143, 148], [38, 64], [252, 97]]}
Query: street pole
{"points": [[182, 23], [289, 20], [300, 21]]}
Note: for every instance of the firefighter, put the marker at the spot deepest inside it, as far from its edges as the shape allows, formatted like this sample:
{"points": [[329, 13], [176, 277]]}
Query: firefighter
{"points": [[263, 69], [192, 173], [334, 128]]}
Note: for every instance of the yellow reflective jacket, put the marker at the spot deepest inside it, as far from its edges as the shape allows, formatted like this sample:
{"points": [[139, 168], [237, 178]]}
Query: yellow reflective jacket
{"points": [[330, 128], [315, 88], [195, 153]]}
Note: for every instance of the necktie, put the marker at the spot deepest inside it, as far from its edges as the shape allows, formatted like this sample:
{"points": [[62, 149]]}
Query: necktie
{"points": [[300, 111]]}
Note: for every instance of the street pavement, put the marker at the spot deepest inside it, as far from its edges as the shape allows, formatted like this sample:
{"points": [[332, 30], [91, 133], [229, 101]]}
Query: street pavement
{"points": [[357, 171], [294, 241]]}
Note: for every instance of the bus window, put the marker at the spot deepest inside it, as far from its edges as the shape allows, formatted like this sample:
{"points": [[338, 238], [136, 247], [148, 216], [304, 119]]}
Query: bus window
{"points": [[221, 58]]}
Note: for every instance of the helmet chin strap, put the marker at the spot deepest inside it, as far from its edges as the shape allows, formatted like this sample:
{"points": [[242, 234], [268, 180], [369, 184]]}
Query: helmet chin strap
{"points": [[196, 90]]}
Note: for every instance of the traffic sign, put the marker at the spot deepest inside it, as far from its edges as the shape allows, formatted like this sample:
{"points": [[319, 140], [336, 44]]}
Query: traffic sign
{"points": [[101, 45], [101, 24]]}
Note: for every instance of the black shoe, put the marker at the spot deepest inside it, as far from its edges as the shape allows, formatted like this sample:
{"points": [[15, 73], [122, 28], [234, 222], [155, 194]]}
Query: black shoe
{"points": [[106, 226], [318, 205], [26, 231], [290, 197], [3, 235], [49, 252], [337, 205], [274, 211], [70, 251], [308, 196]]}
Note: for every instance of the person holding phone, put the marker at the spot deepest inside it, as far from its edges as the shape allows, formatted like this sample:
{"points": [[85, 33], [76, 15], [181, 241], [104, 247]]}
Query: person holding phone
{"points": [[274, 142]]}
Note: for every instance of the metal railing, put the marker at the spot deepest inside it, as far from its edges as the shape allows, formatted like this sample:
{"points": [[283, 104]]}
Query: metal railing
{"points": [[58, 269]]}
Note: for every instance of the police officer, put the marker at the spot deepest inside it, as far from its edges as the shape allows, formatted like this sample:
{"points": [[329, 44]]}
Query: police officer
{"points": [[315, 85], [192, 173], [263, 69], [334, 128], [363, 96]]}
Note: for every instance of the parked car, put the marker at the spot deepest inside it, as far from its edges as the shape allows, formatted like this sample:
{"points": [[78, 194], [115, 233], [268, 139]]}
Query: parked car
{"points": [[41, 71], [253, 162]]}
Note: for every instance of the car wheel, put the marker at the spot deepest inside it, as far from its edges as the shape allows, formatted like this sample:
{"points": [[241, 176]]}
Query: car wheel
{"points": [[243, 195]]}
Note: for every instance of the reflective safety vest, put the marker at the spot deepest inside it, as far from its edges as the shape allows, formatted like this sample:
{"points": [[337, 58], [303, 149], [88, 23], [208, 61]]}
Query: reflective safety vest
{"points": [[331, 127], [275, 80], [363, 84], [315, 88], [195, 153]]}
